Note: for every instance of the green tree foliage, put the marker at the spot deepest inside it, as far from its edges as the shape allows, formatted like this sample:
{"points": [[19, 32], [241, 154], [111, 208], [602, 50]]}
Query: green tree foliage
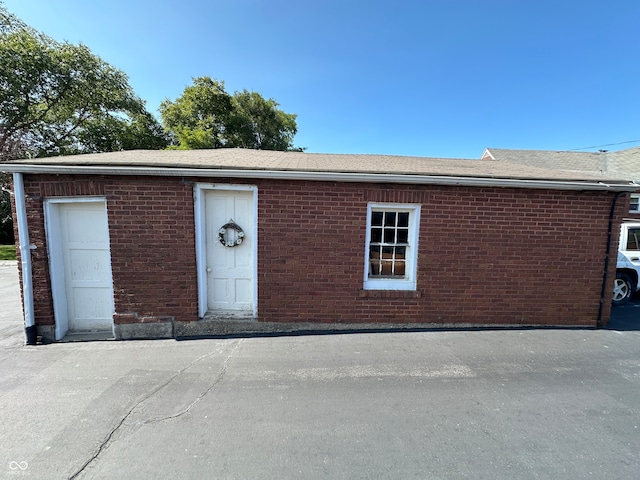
{"points": [[59, 98], [140, 131], [6, 220], [259, 124], [199, 117], [206, 116]]}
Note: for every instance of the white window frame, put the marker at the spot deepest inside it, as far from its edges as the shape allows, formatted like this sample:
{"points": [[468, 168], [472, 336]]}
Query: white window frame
{"points": [[408, 282], [635, 201]]}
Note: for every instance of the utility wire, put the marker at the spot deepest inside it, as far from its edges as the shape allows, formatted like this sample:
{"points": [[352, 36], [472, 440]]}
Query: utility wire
{"points": [[605, 145]]}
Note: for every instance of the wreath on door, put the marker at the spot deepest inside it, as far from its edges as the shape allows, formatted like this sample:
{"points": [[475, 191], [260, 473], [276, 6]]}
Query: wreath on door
{"points": [[224, 238]]}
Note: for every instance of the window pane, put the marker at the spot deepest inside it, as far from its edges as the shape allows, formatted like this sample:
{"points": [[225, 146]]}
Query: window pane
{"points": [[389, 219], [374, 261], [376, 218], [376, 235], [387, 261], [633, 240], [403, 219], [389, 235]]}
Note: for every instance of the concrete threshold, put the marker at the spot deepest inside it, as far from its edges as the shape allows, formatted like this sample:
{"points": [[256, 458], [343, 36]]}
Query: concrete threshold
{"points": [[87, 336]]}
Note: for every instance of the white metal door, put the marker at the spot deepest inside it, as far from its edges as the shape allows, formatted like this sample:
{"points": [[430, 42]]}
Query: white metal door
{"points": [[82, 233], [230, 282]]}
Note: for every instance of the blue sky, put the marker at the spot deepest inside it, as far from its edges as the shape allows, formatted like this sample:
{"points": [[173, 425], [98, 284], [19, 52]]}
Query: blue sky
{"points": [[437, 78]]}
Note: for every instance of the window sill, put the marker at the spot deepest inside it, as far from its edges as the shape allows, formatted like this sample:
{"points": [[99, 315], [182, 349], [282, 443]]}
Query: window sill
{"points": [[390, 294]]}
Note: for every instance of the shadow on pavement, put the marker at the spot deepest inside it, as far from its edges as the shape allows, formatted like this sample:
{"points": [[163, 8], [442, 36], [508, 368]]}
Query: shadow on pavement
{"points": [[626, 317]]}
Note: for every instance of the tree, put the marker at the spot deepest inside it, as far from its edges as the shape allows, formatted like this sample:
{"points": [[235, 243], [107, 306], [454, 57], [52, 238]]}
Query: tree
{"points": [[206, 116], [55, 97], [199, 117], [6, 219], [140, 131], [259, 124], [59, 98]]}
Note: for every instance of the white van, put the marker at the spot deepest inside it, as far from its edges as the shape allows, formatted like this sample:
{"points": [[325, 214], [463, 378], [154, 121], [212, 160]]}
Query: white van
{"points": [[628, 267]]}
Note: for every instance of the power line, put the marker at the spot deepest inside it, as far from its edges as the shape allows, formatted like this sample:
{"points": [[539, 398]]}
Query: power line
{"points": [[605, 145]]}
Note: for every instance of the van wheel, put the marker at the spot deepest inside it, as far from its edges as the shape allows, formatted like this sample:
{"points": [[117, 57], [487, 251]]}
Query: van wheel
{"points": [[622, 289]]}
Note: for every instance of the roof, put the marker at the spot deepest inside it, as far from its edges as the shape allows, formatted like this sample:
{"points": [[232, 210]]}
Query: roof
{"points": [[315, 166], [618, 164]]}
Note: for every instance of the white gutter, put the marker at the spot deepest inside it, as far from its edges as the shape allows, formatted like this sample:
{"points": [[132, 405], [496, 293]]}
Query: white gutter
{"points": [[414, 179], [25, 258]]}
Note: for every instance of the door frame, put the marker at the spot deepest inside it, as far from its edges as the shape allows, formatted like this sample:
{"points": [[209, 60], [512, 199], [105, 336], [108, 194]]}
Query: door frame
{"points": [[199, 193], [56, 260]]}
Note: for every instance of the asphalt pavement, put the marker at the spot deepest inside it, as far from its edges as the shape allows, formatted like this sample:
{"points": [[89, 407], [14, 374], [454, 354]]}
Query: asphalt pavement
{"points": [[480, 404]]}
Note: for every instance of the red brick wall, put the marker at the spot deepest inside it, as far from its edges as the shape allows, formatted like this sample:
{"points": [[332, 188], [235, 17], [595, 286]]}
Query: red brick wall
{"points": [[486, 255], [153, 248], [152, 244]]}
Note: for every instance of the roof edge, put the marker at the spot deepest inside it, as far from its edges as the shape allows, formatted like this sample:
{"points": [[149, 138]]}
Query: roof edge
{"points": [[416, 179]]}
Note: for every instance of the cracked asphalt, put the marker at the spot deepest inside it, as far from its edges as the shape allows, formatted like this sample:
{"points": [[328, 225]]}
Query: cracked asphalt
{"points": [[494, 404]]}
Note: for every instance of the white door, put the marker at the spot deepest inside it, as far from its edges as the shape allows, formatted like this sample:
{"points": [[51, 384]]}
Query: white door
{"points": [[230, 282], [82, 267]]}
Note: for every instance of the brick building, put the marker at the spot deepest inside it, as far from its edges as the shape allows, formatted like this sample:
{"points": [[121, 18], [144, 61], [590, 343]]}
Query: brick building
{"points": [[623, 164], [169, 243]]}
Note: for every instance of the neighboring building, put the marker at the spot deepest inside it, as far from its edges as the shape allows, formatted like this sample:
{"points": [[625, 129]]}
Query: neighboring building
{"points": [[634, 205], [169, 243], [618, 164]]}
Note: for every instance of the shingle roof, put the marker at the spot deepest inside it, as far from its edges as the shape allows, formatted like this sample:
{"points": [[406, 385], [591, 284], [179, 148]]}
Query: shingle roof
{"points": [[618, 164], [625, 161], [263, 160]]}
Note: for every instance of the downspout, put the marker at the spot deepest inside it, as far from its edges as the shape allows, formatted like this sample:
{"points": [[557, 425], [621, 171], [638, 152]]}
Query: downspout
{"points": [[25, 258], [605, 275]]}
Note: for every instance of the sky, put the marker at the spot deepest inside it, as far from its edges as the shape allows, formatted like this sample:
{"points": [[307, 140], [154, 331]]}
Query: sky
{"points": [[433, 78]]}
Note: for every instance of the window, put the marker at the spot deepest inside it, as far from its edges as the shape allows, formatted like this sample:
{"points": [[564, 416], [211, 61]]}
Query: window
{"points": [[391, 253], [634, 206], [633, 239]]}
